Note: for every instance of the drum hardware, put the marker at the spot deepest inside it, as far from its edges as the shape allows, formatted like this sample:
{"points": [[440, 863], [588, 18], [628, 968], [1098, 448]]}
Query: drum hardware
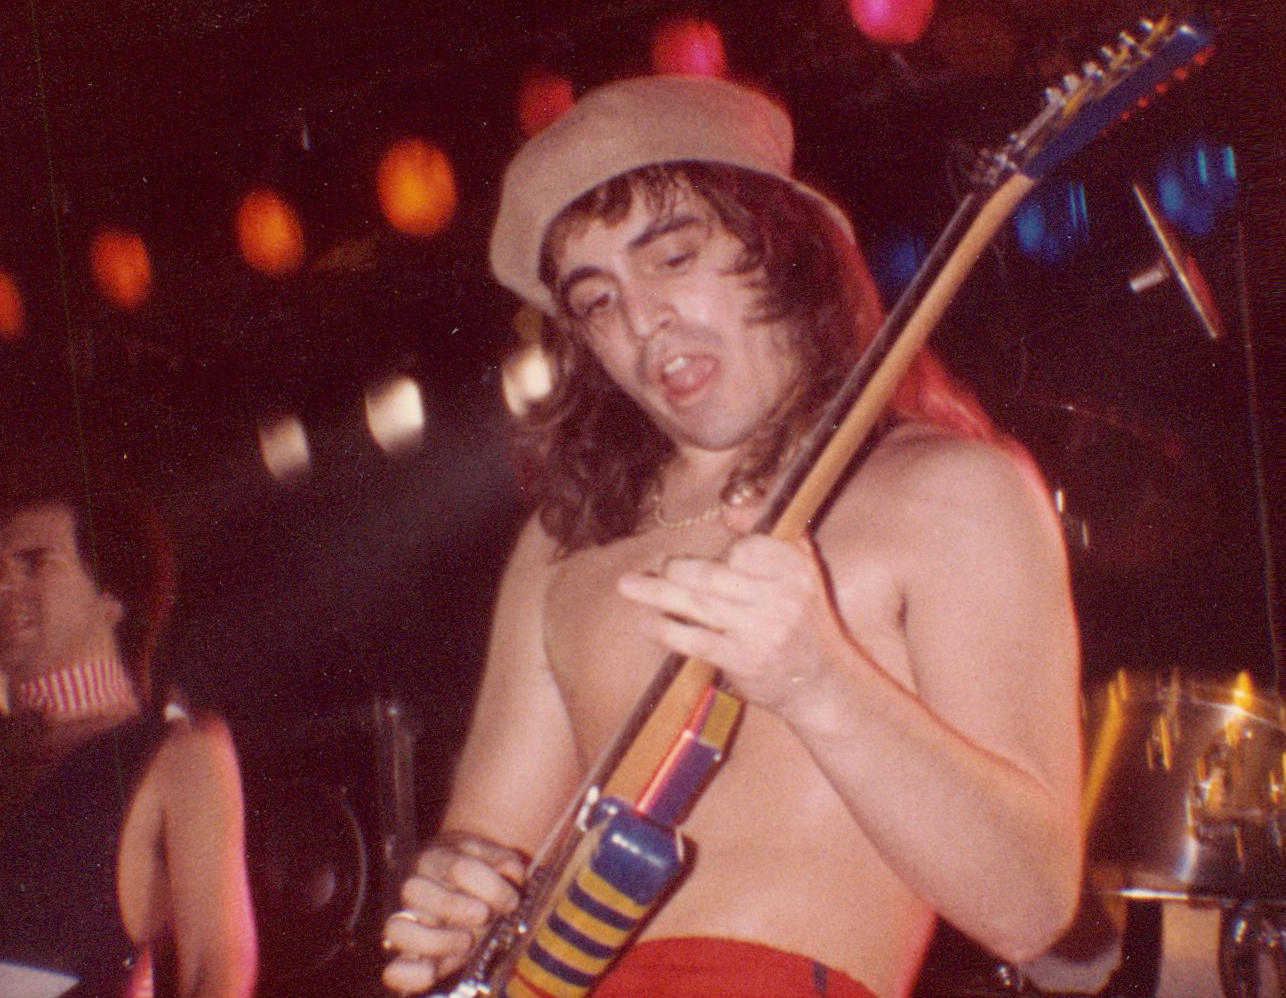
{"points": [[1231, 800], [1186, 793], [1252, 939], [1178, 264], [1161, 739]]}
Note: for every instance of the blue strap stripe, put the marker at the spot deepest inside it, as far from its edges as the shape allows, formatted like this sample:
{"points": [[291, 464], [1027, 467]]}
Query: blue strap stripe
{"points": [[582, 942], [598, 910], [542, 958]]}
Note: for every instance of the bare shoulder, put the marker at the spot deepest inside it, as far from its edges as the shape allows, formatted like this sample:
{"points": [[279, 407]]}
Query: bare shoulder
{"points": [[924, 485], [197, 757], [535, 552], [946, 471]]}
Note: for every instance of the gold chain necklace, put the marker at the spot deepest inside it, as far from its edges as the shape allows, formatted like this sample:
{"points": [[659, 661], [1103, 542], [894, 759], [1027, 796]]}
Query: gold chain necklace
{"points": [[740, 495]]}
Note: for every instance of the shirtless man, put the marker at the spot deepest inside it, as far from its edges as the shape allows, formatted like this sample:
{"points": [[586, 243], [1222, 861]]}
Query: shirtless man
{"points": [[121, 832], [911, 742]]}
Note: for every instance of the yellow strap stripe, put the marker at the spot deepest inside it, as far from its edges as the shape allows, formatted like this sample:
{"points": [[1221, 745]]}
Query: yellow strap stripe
{"points": [[566, 952], [518, 988], [605, 894], [538, 977], [587, 925]]}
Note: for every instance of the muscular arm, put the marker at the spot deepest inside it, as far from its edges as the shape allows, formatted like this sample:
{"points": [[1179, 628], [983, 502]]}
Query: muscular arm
{"points": [[956, 748], [203, 832], [519, 763], [518, 769]]}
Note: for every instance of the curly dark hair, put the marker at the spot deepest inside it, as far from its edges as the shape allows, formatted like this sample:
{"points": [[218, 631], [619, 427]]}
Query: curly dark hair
{"points": [[123, 544], [593, 456]]}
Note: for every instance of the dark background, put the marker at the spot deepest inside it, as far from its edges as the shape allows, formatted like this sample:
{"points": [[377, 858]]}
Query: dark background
{"points": [[303, 608]]}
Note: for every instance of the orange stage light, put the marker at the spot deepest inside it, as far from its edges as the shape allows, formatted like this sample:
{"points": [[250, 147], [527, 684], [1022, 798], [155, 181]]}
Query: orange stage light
{"points": [[688, 45], [543, 98], [892, 22], [121, 267], [270, 234], [416, 187], [13, 315]]}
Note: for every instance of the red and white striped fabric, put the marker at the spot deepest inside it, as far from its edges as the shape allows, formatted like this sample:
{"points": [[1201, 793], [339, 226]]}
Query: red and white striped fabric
{"points": [[80, 690]]}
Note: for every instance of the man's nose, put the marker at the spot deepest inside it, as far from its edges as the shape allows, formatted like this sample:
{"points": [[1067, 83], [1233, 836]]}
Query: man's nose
{"points": [[648, 312]]}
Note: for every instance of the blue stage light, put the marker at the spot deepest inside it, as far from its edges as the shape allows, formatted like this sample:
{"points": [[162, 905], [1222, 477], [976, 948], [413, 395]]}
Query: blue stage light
{"points": [[1196, 183], [1053, 221], [896, 258]]}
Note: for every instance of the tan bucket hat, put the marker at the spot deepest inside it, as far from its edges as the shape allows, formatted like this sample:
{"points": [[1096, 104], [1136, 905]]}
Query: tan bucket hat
{"points": [[622, 126]]}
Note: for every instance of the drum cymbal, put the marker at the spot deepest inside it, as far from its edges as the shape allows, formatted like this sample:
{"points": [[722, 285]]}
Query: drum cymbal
{"points": [[1130, 495]]}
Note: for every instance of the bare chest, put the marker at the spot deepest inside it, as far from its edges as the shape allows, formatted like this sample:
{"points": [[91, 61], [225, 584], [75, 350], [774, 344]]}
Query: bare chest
{"points": [[602, 660]]}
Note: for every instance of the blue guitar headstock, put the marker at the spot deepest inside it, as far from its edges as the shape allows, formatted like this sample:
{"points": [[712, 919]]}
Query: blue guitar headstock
{"points": [[1127, 75]]}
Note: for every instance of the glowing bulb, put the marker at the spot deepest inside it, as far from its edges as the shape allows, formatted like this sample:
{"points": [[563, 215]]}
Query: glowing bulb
{"points": [[688, 45], [283, 445], [543, 98], [395, 415], [892, 22], [527, 378], [416, 188], [13, 314], [121, 268], [270, 234]]}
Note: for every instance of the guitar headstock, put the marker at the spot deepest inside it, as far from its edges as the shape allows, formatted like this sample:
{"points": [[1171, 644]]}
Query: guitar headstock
{"points": [[1127, 75]]}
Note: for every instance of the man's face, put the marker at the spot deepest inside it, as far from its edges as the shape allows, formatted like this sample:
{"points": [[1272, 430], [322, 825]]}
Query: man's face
{"points": [[52, 613], [657, 300]]}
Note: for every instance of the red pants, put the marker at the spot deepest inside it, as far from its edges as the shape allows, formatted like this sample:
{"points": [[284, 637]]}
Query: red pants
{"points": [[722, 968]]}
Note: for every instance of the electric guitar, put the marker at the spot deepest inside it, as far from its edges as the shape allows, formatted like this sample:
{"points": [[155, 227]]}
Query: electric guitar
{"points": [[615, 855]]}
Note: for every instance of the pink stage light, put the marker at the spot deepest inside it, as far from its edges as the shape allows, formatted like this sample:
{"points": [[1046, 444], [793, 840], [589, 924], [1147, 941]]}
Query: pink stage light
{"points": [[892, 22], [543, 98], [688, 45]]}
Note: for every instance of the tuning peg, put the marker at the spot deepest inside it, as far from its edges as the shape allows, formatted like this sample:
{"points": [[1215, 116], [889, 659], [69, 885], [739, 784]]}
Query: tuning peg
{"points": [[1053, 96], [1071, 83], [1127, 42], [1092, 71], [1146, 26]]}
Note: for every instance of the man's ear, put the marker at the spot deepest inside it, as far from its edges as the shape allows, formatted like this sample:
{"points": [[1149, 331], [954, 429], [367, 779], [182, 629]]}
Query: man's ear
{"points": [[113, 609]]}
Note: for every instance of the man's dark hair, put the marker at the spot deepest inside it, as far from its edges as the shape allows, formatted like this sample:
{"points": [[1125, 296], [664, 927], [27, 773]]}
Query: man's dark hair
{"points": [[123, 544], [594, 453]]}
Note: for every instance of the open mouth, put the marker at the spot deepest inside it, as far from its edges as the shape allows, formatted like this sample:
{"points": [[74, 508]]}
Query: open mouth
{"points": [[684, 374]]}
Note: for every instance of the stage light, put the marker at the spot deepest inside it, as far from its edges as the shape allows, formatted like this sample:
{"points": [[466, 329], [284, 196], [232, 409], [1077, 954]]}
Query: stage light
{"points": [[688, 45], [270, 234], [1197, 183], [892, 22], [416, 188], [1053, 221], [395, 415], [527, 378], [283, 445], [543, 98], [13, 314], [895, 260], [121, 268]]}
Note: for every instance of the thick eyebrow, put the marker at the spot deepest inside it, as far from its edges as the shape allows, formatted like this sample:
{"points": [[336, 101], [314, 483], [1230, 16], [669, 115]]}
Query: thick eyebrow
{"points": [[657, 228], [28, 553], [660, 227]]}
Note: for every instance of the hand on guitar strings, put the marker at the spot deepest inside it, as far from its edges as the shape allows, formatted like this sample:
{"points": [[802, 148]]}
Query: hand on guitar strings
{"points": [[763, 614], [459, 886]]}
